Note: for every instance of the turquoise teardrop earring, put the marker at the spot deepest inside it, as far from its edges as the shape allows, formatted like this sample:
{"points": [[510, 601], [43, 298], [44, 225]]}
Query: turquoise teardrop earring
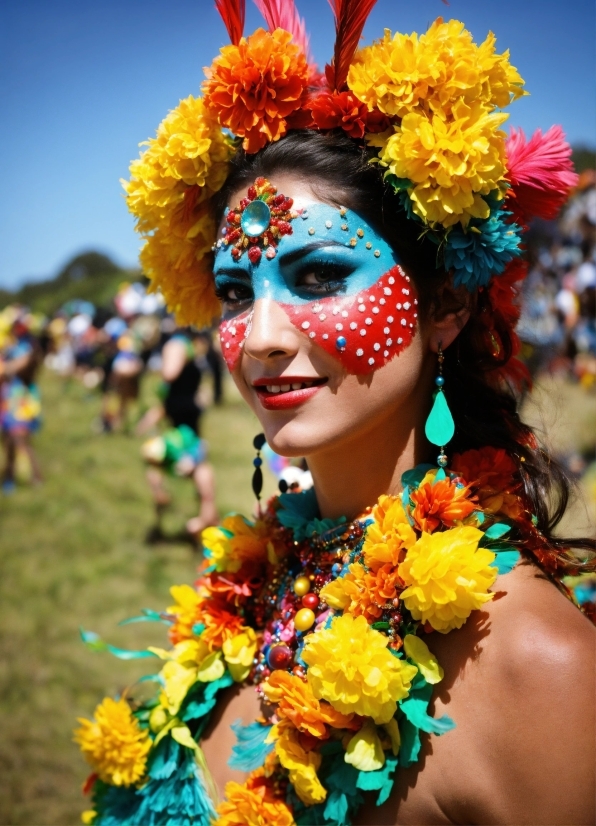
{"points": [[440, 426]]}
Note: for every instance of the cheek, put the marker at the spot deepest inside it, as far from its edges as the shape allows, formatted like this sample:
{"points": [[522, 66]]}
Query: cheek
{"points": [[365, 331], [232, 334]]}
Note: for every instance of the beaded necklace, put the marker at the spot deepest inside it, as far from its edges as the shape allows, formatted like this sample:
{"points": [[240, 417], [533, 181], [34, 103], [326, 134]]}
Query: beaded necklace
{"points": [[327, 619]]}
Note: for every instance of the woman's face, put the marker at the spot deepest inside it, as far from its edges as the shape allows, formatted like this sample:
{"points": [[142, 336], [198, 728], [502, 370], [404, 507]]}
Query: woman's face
{"points": [[321, 333]]}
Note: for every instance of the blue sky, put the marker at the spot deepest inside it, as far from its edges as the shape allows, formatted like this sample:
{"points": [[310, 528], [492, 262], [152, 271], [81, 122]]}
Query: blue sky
{"points": [[82, 83]]}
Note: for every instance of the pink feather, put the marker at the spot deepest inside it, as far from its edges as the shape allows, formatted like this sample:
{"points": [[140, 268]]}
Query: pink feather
{"points": [[283, 14], [540, 171], [350, 17], [232, 13]]}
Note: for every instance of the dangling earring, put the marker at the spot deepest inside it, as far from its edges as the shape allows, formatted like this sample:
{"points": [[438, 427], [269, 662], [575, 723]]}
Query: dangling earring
{"points": [[440, 426], [257, 477]]}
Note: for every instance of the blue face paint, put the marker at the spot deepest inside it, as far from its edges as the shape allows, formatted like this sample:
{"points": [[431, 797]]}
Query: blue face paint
{"points": [[335, 277]]}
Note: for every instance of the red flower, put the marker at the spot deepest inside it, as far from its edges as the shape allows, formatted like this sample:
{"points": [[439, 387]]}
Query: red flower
{"points": [[343, 110], [541, 173], [441, 502], [493, 475]]}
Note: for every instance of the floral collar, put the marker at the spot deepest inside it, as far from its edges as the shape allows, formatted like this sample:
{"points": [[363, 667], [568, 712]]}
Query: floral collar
{"points": [[328, 620]]}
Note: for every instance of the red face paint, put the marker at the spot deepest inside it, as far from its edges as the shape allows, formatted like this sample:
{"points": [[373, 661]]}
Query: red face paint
{"points": [[363, 331]]}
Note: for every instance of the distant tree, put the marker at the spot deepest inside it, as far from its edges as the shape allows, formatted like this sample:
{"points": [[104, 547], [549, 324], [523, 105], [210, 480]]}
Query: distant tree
{"points": [[583, 157], [86, 265]]}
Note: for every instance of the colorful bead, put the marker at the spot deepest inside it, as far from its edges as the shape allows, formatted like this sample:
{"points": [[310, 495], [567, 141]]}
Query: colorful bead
{"points": [[304, 619], [279, 656], [255, 218], [340, 343], [310, 601], [301, 586]]}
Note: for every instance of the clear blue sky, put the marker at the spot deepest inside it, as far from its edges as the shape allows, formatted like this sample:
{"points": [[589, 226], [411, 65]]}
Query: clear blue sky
{"points": [[82, 83]]}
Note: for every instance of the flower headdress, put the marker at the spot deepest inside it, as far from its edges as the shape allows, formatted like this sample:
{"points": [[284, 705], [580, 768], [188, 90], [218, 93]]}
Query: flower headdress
{"points": [[432, 105]]}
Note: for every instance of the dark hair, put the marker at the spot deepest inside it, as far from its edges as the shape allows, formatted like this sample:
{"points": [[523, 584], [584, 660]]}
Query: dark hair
{"points": [[484, 406]]}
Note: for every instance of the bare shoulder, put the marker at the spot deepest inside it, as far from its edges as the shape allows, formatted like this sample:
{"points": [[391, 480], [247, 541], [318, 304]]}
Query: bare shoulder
{"points": [[528, 687]]}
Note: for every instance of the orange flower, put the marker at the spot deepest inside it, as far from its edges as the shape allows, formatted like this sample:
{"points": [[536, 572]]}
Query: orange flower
{"points": [[363, 593], [440, 503], [298, 704], [255, 86], [220, 625], [253, 804], [343, 110], [231, 588], [493, 475]]}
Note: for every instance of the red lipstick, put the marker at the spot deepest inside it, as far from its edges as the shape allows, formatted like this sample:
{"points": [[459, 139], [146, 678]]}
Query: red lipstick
{"points": [[299, 390]]}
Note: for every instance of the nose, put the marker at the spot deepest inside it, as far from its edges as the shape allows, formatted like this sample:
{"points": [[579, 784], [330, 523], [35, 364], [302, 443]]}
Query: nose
{"points": [[271, 334]]}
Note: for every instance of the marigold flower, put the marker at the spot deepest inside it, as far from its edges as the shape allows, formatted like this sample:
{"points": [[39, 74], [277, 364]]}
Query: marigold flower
{"points": [[448, 577], [403, 73], [351, 668], [296, 702], [234, 543], [389, 536], [253, 804], [220, 624], [343, 110], [255, 86], [441, 502], [185, 611], [114, 744], [494, 477], [363, 593], [301, 764]]}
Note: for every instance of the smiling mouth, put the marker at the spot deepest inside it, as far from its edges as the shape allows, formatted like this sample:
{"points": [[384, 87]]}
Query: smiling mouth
{"points": [[286, 391]]}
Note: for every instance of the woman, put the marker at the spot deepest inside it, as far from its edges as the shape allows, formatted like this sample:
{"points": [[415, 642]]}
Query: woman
{"points": [[368, 320]]}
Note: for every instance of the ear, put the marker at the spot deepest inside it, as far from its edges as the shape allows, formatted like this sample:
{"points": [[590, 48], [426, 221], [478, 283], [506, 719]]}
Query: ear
{"points": [[450, 316]]}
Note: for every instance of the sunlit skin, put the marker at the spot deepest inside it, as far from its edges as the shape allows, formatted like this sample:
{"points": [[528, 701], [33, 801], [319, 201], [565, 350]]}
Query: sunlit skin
{"points": [[520, 674]]}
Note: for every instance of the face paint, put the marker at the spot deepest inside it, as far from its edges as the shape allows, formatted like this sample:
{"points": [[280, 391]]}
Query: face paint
{"points": [[338, 281]]}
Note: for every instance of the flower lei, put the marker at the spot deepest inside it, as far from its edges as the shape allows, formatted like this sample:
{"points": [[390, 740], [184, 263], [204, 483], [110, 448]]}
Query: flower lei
{"points": [[327, 619]]}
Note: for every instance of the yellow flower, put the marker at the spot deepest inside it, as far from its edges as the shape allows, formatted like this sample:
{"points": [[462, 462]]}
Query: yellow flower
{"points": [[168, 193], [426, 663], [406, 73], [239, 652], [448, 577], [114, 744], [253, 804], [351, 668], [88, 816], [364, 751], [302, 765], [247, 543], [389, 535], [185, 610], [188, 661], [451, 160]]}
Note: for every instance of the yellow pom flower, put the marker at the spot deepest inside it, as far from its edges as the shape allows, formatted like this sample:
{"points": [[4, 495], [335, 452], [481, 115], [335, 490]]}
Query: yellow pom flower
{"points": [[403, 73], [447, 577], [351, 668], [235, 542], [168, 193], [114, 744], [239, 652], [389, 536], [302, 765]]}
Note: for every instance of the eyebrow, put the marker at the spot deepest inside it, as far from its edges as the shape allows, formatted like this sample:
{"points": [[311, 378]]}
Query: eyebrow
{"points": [[233, 272], [291, 257]]}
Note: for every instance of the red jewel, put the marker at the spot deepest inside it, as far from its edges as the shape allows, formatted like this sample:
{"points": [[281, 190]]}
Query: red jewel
{"points": [[279, 656], [236, 253], [252, 193], [234, 235], [244, 203], [231, 217], [254, 254], [260, 181], [298, 671], [288, 203], [284, 228], [310, 601]]}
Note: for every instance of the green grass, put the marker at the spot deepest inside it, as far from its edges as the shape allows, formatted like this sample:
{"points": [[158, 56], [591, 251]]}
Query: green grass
{"points": [[72, 553]]}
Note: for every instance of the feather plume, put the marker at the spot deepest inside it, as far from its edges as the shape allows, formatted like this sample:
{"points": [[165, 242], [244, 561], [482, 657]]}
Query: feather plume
{"points": [[283, 14], [350, 17], [232, 13], [540, 171]]}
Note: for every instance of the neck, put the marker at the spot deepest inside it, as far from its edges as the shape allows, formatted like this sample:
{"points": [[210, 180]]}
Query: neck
{"points": [[350, 476]]}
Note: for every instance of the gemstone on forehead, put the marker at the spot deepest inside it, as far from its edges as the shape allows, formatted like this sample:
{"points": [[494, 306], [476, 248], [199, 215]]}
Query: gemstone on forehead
{"points": [[255, 218]]}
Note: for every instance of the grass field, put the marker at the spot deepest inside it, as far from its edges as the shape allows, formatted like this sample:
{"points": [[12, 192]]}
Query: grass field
{"points": [[72, 553]]}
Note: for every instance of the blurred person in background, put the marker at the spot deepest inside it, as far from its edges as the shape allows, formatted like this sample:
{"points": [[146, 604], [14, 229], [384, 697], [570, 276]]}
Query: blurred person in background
{"points": [[20, 402], [180, 449]]}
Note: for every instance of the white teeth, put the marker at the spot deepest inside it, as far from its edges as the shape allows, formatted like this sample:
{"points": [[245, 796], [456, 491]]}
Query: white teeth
{"points": [[296, 386], [274, 388], [284, 388]]}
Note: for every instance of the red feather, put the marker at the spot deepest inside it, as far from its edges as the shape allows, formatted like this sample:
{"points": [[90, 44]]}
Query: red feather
{"points": [[350, 17], [283, 14], [232, 13]]}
